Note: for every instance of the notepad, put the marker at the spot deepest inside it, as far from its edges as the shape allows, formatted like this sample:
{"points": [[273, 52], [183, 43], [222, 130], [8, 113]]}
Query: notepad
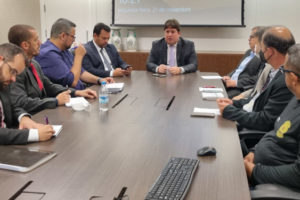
{"points": [[212, 96], [22, 159], [57, 129], [205, 112], [211, 77], [213, 90], [115, 87]]}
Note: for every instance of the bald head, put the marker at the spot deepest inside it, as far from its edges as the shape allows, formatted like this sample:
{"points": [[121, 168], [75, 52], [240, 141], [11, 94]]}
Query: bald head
{"points": [[278, 37]]}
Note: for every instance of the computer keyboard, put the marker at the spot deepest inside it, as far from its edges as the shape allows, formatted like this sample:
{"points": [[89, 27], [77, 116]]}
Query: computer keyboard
{"points": [[174, 180]]}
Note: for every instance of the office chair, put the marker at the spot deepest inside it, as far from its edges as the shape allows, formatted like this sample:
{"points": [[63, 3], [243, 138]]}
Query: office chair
{"points": [[249, 138], [274, 192]]}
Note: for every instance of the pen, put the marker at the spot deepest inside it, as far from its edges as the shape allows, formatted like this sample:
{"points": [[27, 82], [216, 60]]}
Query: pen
{"points": [[46, 120], [121, 194], [120, 101], [170, 103]]}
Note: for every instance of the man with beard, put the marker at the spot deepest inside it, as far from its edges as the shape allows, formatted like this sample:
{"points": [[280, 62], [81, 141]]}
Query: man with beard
{"points": [[12, 63], [32, 90], [58, 63]]}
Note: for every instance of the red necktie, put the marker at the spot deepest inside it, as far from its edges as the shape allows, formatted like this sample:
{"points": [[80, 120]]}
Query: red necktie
{"points": [[40, 83]]}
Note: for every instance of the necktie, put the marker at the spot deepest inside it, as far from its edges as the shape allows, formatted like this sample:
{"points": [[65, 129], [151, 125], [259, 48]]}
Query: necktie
{"points": [[40, 83], [2, 123], [106, 63], [172, 61], [266, 83]]}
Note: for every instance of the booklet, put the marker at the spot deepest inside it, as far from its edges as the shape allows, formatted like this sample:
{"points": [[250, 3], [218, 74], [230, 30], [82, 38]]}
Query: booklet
{"points": [[57, 129], [212, 96], [115, 87], [205, 112], [22, 159]]}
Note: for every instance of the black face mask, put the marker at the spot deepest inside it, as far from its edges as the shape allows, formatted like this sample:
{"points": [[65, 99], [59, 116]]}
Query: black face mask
{"points": [[262, 57]]}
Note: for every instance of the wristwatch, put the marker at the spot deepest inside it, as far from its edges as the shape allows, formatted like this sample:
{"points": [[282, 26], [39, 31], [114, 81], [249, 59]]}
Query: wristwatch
{"points": [[99, 81]]}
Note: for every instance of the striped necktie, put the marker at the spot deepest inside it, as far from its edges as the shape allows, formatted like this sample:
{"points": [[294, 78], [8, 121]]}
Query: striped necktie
{"points": [[106, 63]]}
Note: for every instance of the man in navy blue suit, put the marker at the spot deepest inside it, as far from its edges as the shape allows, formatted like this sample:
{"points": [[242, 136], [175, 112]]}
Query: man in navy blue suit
{"points": [[102, 59]]}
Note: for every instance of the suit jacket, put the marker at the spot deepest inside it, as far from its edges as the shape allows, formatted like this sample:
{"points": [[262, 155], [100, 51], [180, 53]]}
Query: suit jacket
{"points": [[248, 77], [267, 107], [26, 93], [92, 61], [8, 135], [185, 55]]}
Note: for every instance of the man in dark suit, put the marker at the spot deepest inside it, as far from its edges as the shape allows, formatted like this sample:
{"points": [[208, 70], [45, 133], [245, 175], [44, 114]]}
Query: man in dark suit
{"points": [[12, 63], [172, 54], [261, 110], [245, 75], [102, 59], [32, 90]]}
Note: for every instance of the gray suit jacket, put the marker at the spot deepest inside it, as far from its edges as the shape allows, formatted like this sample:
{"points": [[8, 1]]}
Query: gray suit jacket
{"points": [[26, 93], [185, 54], [8, 135], [93, 63]]}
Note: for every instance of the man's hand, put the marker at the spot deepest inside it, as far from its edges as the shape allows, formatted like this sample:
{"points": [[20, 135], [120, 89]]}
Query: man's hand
{"points": [[27, 123], [108, 80], [249, 167], [63, 97], [225, 78], [174, 70], [80, 51], [162, 69], [45, 132], [128, 70], [223, 103], [249, 157], [88, 93], [230, 83], [238, 97], [119, 72]]}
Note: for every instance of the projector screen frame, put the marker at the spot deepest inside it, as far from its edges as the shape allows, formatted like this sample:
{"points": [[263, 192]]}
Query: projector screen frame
{"points": [[182, 25]]}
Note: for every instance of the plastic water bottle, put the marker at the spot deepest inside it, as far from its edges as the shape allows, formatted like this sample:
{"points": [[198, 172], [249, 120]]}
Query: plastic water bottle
{"points": [[103, 97]]}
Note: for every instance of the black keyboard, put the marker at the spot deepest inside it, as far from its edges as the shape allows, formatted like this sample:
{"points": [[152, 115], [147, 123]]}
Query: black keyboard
{"points": [[174, 181]]}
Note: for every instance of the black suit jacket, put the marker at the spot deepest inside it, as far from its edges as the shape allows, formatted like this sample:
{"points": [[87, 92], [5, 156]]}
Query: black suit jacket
{"points": [[185, 55], [92, 61], [267, 107], [248, 77], [26, 93], [8, 135]]}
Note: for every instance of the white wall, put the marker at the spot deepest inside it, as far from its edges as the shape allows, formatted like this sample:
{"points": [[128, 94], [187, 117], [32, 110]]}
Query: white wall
{"points": [[257, 12], [18, 12]]}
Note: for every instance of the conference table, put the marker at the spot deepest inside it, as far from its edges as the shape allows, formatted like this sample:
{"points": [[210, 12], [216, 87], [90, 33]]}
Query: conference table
{"points": [[98, 153]]}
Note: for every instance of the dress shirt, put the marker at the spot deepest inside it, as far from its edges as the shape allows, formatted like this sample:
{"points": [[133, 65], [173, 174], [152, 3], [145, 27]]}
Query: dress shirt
{"points": [[242, 66], [106, 56]]}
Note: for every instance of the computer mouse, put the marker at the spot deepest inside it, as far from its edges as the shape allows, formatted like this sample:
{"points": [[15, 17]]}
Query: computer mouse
{"points": [[207, 151]]}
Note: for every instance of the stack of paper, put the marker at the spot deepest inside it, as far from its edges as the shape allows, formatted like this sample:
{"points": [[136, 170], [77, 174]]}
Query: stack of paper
{"points": [[211, 77], [205, 112], [212, 96], [115, 87], [213, 90], [57, 129]]}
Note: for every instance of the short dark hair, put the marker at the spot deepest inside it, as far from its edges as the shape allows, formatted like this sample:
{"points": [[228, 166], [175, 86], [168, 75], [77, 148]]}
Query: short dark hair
{"points": [[294, 57], [19, 33], [8, 51], [260, 32], [172, 23], [279, 43], [100, 26], [61, 25]]}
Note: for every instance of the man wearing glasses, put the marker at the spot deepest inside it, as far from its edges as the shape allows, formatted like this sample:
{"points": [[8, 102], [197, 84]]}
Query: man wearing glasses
{"points": [[275, 159], [58, 63], [12, 63]]}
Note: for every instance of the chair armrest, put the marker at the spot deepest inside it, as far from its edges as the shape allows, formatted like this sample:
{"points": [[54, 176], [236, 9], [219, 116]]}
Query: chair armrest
{"points": [[273, 191], [246, 133]]}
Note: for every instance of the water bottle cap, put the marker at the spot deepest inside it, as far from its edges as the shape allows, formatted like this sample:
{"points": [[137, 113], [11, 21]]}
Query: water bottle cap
{"points": [[103, 83]]}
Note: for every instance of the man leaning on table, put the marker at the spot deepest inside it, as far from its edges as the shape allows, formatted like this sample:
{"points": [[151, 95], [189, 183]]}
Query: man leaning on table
{"points": [[172, 53], [275, 159], [33, 90], [260, 111], [102, 59], [58, 63], [12, 63]]}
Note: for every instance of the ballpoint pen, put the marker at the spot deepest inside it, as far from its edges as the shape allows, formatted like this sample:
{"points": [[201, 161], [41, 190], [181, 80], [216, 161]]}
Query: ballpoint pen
{"points": [[46, 120]]}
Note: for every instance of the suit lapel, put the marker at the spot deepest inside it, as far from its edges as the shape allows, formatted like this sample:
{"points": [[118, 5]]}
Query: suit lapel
{"points": [[165, 53], [32, 80], [95, 51], [178, 51], [6, 107]]}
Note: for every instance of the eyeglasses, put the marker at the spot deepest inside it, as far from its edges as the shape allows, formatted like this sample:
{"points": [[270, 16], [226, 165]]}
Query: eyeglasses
{"points": [[289, 71], [12, 70], [72, 36]]}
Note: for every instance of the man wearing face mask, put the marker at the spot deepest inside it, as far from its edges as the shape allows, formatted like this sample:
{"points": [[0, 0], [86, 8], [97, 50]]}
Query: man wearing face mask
{"points": [[12, 63], [245, 75], [260, 111]]}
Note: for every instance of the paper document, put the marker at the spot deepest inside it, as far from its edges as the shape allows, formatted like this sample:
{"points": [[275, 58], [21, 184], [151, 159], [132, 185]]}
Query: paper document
{"points": [[212, 96], [213, 90], [115, 87], [211, 77], [57, 129], [77, 100], [215, 111]]}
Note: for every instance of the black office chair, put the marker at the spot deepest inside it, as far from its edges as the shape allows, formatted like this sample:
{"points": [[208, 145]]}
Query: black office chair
{"points": [[274, 192], [249, 138]]}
